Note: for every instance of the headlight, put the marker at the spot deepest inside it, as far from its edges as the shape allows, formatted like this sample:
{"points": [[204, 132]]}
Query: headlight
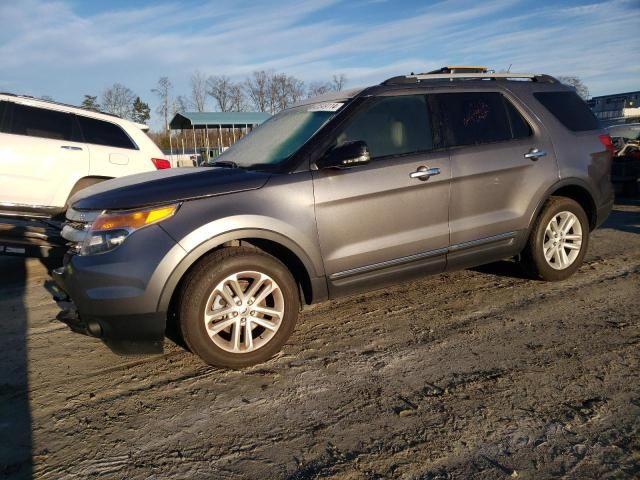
{"points": [[110, 229]]}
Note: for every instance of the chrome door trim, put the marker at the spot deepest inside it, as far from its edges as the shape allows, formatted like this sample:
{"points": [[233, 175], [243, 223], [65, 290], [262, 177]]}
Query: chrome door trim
{"points": [[418, 256], [388, 263], [482, 241]]}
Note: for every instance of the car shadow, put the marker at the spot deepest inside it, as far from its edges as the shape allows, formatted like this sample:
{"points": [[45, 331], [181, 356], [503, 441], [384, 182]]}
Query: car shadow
{"points": [[503, 268], [15, 412], [623, 219]]}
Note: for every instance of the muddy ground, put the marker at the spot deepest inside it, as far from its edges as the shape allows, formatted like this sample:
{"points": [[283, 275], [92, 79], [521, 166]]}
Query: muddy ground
{"points": [[475, 374]]}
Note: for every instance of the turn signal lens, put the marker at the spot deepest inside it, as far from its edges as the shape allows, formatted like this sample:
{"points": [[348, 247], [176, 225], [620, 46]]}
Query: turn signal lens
{"points": [[110, 230], [133, 220]]}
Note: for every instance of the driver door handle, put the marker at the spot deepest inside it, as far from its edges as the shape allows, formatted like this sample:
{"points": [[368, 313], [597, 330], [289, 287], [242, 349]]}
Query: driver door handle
{"points": [[424, 173]]}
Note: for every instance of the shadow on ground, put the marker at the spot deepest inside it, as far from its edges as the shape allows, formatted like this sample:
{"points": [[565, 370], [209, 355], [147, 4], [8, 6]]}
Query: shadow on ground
{"points": [[15, 414]]}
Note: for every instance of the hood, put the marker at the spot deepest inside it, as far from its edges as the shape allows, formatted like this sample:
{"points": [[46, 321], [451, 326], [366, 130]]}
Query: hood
{"points": [[166, 186]]}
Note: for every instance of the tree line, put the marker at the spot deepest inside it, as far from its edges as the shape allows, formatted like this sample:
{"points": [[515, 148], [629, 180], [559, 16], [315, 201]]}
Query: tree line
{"points": [[262, 91]]}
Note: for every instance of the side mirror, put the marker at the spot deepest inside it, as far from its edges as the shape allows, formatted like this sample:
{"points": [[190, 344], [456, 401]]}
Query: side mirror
{"points": [[349, 154]]}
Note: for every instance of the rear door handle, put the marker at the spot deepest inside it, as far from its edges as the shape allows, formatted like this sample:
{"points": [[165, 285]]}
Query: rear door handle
{"points": [[70, 147], [534, 154], [424, 173]]}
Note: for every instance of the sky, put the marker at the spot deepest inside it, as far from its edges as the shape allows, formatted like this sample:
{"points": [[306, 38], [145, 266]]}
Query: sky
{"points": [[67, 48]]}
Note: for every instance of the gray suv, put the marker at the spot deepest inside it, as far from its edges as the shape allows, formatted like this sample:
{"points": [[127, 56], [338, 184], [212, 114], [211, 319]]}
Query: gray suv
{"points": [[339, 195]]}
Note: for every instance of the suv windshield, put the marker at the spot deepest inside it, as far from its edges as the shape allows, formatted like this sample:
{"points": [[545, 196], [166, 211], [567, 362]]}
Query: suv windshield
{"points": [[269, 145]]}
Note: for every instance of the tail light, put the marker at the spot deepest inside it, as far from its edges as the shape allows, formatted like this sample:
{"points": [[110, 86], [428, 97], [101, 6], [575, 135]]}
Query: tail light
{"points": [[161, 163], [608, 143]]}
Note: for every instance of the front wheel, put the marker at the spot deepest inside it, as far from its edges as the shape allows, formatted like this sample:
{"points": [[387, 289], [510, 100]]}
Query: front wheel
{"points": [[238, 307], [558, 241]]}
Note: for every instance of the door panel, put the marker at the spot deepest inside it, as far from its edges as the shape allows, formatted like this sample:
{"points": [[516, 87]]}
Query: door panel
{"points": [[496, 186], [493, 186], [34, 170], [377, 213]]}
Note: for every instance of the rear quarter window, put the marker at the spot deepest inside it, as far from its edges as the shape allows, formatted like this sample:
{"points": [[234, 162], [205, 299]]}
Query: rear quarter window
{"points": [[569, 109], [99, 132]]}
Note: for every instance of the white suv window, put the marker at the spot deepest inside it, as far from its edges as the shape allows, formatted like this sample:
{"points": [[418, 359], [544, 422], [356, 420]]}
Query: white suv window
{"points": [[104, 133], [40, 122]]}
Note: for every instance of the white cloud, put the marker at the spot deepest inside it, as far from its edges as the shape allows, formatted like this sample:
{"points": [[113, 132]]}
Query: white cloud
{"points": [[60, 53]]}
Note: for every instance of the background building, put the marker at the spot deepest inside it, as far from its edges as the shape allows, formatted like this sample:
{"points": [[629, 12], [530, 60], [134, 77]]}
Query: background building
{"points": [[617, 108]]}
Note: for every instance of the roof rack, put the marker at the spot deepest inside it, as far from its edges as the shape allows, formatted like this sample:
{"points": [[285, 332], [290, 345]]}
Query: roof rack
{"points": [[29, 97], [423, 77]]}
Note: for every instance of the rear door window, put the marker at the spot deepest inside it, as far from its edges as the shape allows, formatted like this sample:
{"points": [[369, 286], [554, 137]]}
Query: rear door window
{"points": [[43, 123], [392, 126], [473, 118], [569, 109], [99, 132]]}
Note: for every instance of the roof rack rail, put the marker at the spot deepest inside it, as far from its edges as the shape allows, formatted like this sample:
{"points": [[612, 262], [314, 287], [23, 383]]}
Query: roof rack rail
{"points": [[30, 97], [424, 77]]}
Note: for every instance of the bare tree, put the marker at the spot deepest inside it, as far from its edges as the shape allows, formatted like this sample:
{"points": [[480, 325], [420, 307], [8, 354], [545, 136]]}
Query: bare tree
{"points": [[237, 99], [318, 88], [179, 105], [339, 81], [118, 100], [198, 91], [163, 90], [220, 89], [580, 88], [257, 88], [284, 91], [296, 89]]}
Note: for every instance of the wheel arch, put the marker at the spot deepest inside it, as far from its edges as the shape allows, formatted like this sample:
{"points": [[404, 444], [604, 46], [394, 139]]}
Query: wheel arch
{"points": [[312, 285], [575, 189]]}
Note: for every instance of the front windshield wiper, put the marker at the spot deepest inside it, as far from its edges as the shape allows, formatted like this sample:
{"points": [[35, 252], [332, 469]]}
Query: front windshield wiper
{"points": [[223, 164]]}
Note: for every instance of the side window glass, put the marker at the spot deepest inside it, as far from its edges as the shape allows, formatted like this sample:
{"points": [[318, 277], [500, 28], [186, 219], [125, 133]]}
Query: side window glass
{"points": [[474, 118], [39, 122], [104, 133], [3, 109], [519, 126], [392, 126]]}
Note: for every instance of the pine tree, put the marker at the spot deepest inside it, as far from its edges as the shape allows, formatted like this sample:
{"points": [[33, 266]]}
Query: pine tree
{"points": [[90, 102], [141, 111]]}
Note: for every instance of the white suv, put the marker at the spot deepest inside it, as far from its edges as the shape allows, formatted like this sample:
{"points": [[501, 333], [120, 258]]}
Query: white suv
{"points": [[49, 151]]}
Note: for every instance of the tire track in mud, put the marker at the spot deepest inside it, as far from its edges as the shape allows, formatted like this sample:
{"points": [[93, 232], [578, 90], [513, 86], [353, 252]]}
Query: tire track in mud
{"points": [[340, 457], [494, 373]]}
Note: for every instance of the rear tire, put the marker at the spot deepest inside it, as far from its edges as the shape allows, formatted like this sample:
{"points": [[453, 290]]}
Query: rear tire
{"points": [[238, 307], [558, 241]]}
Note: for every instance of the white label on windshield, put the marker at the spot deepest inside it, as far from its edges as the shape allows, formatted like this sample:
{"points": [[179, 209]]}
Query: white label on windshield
{"points": [[325, 107]]}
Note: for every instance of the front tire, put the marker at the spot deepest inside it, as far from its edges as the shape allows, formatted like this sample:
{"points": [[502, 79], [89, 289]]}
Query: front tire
{"points": [[558, 241], [238, 306]]}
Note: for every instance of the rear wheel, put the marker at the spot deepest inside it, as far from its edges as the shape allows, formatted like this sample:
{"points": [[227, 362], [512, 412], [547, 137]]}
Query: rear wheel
{"points": [[238, 307], [558, 241]]}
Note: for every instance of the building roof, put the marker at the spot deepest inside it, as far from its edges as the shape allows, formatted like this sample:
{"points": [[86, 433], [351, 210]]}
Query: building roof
{"points": [[216, 119]]}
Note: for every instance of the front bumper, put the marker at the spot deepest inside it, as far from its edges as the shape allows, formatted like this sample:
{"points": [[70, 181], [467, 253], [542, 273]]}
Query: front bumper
{"points": [[114, 296]]}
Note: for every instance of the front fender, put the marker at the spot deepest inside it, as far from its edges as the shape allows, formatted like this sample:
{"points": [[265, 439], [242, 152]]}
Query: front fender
{"points": [[201, 241]]}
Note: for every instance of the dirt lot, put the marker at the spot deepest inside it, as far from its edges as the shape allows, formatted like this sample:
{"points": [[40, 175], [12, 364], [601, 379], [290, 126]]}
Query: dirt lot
{"points": [[475, 374]]}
